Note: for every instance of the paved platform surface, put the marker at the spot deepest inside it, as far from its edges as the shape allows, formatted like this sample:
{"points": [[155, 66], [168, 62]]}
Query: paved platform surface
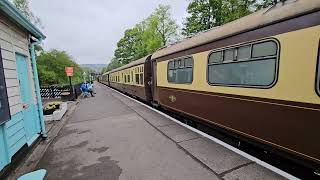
{"points": [[112, 137]]}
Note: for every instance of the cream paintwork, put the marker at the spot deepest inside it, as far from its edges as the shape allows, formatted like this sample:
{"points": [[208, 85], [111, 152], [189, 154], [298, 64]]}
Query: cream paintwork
{"points": [[296, 77], [127, 71]]}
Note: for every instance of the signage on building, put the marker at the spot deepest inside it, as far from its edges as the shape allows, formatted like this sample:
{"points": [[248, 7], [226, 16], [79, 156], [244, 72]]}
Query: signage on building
{"points": [[69, 71]]}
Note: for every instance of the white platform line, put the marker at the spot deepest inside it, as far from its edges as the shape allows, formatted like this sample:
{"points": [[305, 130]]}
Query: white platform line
{"points": [[248, 156]]}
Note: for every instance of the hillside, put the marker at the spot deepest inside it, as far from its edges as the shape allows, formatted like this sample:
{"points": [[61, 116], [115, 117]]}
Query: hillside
{"points": [[95, 67]]}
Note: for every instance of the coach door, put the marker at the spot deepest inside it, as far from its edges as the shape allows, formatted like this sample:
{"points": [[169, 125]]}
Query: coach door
{"points": [[154, 81], [148, 78], [26, 97]]}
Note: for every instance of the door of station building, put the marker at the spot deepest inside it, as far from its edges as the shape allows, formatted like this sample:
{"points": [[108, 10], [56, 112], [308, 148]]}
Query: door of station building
{"points": [[29, 117]]}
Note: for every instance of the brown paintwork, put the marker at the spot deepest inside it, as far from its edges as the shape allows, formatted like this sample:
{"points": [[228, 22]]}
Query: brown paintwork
{"points": [[294, 24], [297, 129], [138, 91]]}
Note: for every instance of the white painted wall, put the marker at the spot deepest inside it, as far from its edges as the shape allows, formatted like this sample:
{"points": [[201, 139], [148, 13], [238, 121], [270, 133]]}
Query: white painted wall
{"points": [[14, 40]]}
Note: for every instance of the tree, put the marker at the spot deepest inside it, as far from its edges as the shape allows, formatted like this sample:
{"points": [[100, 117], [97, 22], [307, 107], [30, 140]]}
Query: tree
{"points": [[165, 25], [112, 65], [264, 4], [145, 37], [24, 8], [206, 14], [128, 46], [51, 68]]}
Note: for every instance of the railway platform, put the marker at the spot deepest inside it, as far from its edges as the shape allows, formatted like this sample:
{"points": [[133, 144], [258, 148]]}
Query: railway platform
{"points": [[111, 136]]}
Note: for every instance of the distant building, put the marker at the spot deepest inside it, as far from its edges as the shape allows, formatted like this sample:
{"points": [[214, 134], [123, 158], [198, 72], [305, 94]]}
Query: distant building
{"points": [[21, 118]]}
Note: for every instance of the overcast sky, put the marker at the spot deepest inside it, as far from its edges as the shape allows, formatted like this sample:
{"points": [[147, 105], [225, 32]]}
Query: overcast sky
{"points": [[90, 29]]}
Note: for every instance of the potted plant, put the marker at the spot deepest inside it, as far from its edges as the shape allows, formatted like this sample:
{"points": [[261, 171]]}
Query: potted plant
{"points": [[49, 110], [51, 107], [56, 104]]}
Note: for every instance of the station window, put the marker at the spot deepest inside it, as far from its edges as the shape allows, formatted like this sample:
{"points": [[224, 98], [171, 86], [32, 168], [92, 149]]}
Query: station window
{"points": [[4, 104], [248, 65], [180, 71]]}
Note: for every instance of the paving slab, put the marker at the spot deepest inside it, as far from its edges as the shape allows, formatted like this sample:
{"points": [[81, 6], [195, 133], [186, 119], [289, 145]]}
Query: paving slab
{"points": [[152, 117], [253, 171], [178, 133], [215, 156]]}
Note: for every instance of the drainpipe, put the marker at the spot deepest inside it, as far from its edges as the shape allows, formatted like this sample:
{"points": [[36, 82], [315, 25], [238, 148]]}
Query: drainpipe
{"points": [[37, 86]]}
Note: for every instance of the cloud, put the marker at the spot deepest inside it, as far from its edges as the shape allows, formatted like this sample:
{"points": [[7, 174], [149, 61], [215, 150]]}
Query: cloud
{"points": [[89, 29]]}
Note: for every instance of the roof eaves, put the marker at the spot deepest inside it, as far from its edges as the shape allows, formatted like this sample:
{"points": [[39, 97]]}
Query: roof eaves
{"points": [[15, 14]]}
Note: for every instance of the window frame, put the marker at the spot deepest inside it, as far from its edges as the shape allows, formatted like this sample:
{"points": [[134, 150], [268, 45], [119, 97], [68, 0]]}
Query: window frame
{"points": [[251, 43], [7, 116], [317, 85], [184, 67]]}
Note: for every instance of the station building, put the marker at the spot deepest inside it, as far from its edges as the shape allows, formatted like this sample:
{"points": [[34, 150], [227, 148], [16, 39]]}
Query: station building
{"points": [[21, 117]]}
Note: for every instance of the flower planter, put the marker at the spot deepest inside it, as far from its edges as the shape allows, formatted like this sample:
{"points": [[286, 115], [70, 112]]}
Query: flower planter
{"points": [[48, 111]]}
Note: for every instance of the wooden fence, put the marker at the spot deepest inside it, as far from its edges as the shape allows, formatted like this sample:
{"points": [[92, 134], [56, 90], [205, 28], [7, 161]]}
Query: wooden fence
{"points": [[60, 92]]}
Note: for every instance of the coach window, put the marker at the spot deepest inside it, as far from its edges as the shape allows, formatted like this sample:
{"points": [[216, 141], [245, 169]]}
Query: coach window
{"points": [[253, 64], [216, 57], [141, 78], [137, 78], [180, 71], [4, 105], [318, 70], [132, 76]]}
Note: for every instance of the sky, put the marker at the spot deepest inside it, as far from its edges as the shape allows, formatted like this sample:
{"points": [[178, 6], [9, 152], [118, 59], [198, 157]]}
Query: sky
{"points": [[89, 30]]}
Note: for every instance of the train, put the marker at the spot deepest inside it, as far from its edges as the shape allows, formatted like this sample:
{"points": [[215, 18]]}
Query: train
{"points": [[257, 78]]}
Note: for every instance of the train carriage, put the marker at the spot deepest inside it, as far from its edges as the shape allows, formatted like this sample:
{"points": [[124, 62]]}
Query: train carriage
{"points": [[256, 77], [132, 78]]}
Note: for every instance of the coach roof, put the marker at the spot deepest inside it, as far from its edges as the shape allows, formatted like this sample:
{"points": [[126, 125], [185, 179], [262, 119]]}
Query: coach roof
{"points": [[133, 63], [290, 8]]}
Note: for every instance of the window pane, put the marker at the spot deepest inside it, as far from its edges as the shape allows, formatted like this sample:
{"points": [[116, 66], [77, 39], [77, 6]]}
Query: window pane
{"points": [[318, 83], [137, 78], [229, 55], [176, 64], [141, 78], [244, 52], [264, 49], [171, 75], [188, 62], [181, 63], [257, 73], [171, 65], [215, 57], [183, 75]]}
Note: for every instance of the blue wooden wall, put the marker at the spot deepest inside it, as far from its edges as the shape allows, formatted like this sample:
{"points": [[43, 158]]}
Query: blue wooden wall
{"points": [[13, 136]]}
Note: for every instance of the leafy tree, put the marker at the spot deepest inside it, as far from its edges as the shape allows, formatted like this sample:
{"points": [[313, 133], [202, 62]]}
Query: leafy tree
{"points": [[264, 4], [128, 46], [165, 25], [51, 68], [112, 65], [206, 14], [24, 8], [145, 37]]}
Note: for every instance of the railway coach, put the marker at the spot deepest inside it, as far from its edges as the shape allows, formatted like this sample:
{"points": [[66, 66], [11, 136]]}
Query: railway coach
{"points": [[256, 78], [133, 78]]}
